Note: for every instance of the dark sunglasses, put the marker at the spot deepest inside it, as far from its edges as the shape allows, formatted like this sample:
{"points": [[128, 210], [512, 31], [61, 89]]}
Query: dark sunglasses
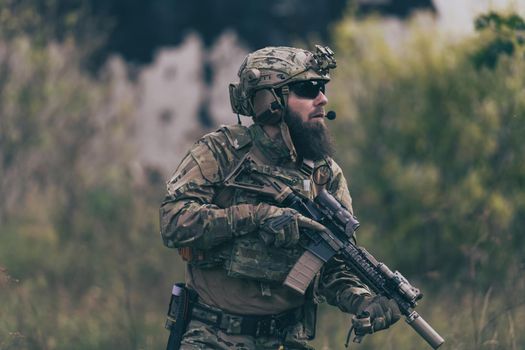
{"points": [[308, 89]]}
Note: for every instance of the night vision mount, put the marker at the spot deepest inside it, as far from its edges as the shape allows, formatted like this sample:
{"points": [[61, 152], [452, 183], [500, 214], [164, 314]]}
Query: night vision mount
{"points": [[324, 59]]}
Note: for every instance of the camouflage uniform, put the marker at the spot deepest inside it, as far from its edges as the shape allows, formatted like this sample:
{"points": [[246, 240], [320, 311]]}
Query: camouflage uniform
{"points": [[229, 265], [219, 230]]}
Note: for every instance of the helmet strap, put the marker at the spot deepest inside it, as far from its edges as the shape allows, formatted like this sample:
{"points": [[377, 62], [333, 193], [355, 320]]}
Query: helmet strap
{"points": [[285, 92], [285, 132]]}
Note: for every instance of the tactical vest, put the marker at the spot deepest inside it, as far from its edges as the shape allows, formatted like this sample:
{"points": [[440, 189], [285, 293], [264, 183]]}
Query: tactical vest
{"points": [[248, 256]]}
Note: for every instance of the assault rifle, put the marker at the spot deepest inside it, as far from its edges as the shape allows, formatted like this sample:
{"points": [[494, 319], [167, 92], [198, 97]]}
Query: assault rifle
{"points": [[338, 240]]}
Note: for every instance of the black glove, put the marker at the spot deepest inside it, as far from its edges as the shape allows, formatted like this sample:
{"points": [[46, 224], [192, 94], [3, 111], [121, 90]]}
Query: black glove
{"points": [[281, 226], [383, 313]]}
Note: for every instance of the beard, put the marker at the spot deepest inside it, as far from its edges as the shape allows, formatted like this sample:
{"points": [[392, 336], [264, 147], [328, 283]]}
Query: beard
{"points": [[311, 140]]}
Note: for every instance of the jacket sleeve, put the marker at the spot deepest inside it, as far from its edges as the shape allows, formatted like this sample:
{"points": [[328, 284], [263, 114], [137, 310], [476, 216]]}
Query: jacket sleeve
{"points": [[337, 284], [188, 216]]}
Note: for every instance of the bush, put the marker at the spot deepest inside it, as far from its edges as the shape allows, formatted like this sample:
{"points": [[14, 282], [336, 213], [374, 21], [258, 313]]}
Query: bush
{"points": [[80, 267], [431, 142]]}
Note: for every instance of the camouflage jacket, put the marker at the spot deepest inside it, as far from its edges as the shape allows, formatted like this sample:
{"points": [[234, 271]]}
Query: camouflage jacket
{"points": [[228, 264]]}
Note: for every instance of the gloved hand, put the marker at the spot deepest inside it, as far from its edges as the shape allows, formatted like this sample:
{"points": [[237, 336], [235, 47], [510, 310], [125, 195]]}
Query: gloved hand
{"points": [[280, 226], [383, 313]]}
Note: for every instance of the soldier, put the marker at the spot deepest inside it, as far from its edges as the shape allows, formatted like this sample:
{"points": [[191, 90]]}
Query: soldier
{"points": [[236, 260]]}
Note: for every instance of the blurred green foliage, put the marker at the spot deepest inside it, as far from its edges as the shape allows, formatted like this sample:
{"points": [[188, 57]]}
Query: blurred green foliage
{"points": [[503, 35], [432, 144], [46, 21], [429, 138], [80, 264]]}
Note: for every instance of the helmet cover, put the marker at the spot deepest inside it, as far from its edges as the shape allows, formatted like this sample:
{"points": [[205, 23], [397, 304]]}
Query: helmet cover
{"points": [[274, 67]]}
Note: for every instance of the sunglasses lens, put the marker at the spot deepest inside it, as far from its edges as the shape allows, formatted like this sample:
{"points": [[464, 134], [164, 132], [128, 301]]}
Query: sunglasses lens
{"points": [[308, 89]]}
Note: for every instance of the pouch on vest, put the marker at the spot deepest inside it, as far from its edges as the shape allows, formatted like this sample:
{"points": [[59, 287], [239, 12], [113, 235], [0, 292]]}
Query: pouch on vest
{"points": [[253, 259]]}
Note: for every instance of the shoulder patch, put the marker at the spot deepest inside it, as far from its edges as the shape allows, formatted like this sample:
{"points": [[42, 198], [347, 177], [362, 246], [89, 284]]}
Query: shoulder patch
{"points": [[206, 162], [238, 135], [323, 172]]}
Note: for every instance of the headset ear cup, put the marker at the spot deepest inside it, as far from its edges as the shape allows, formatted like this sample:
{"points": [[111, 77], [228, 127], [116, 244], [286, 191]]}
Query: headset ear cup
{"points": [[234, 98], [239, 102]]}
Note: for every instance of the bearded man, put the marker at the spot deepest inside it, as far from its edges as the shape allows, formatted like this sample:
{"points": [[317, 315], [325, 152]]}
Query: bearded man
{"points": [[236, 257]]}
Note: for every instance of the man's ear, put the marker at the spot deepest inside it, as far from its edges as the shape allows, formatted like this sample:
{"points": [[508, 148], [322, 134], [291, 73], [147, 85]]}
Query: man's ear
{"points": [[267, 107]]}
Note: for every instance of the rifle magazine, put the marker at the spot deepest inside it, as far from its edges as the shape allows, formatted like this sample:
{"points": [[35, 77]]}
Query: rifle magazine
{"points": [[303, 272]]}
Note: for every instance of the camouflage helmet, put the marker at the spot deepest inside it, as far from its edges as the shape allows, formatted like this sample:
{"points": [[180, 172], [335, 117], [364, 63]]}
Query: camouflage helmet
{"points": [[271, 70]]}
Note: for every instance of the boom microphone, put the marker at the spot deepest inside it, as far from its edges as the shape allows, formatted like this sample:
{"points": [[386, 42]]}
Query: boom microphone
{"points": [[330, 115]]}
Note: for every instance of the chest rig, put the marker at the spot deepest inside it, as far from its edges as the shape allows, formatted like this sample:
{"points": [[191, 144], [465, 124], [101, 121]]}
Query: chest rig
{"points": [[248, 256]]}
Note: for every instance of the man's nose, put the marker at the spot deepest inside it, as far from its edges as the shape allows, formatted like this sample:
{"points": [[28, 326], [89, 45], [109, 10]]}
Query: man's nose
{"points": [[320, 99]]}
